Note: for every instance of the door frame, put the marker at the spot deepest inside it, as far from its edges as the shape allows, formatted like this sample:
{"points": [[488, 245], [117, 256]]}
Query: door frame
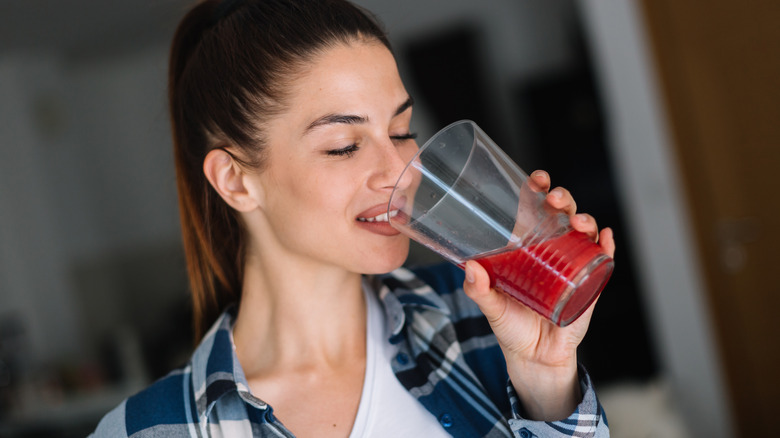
{"points": [[649, 185]]}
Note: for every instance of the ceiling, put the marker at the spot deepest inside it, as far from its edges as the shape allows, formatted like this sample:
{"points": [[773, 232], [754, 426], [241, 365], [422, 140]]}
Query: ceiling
{"points": [[84, 27]]}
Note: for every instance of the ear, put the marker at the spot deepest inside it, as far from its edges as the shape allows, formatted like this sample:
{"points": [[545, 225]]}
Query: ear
{"points": [[228, 179]]}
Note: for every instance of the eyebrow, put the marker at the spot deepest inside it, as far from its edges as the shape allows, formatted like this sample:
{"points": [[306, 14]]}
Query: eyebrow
{"points": [[404, 106], [347, 119]]}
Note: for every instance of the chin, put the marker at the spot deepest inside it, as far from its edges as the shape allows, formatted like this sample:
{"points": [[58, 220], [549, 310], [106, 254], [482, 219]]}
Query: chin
{"points": [[391, 258]]}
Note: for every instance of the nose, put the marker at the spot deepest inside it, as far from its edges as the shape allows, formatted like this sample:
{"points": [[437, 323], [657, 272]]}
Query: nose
{"points": [[392, 161]]}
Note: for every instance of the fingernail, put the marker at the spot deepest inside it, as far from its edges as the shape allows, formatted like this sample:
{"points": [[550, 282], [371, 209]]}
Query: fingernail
{"points": [[557, 193], [469, 274]]}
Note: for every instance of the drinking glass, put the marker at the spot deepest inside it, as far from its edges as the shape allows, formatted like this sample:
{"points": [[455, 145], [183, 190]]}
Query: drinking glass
{"points": [[465, 199]]}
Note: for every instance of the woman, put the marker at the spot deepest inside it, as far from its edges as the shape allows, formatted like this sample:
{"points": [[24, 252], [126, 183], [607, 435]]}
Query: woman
{"points": [[290, 127]]}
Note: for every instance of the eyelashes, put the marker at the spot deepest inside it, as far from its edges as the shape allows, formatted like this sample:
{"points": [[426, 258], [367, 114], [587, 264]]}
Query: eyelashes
{"points": [[350, 150], [346, 151], [409, 136]]}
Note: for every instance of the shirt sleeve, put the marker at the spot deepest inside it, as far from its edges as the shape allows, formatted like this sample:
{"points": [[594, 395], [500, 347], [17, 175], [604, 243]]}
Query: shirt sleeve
{"points": [[112, 424], [588, 420]]}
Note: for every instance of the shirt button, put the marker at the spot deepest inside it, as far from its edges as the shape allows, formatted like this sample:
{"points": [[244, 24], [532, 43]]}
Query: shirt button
{"points": [[402, 358], [525, 433], [445, 420]]}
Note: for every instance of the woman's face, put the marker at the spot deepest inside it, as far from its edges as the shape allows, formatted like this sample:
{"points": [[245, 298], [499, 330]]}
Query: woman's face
{"points": [[332, 161]]}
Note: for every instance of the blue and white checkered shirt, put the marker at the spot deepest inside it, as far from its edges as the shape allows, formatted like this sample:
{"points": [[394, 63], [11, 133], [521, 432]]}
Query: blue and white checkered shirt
{"points": [[447, 358]]}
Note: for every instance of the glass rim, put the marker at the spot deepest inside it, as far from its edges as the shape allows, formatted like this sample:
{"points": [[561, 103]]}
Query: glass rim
{"points": [[423, 148]]}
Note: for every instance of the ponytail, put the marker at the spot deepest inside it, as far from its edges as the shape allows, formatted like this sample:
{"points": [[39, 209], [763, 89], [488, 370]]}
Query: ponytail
{"points": [[210, 232], [230, 64]]}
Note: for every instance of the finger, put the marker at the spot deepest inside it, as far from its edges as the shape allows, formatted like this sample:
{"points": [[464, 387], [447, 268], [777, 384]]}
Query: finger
{"points": [[585, 223], [532, 193], [607, 241], [562, 199], [477, 287], [539, 181]]}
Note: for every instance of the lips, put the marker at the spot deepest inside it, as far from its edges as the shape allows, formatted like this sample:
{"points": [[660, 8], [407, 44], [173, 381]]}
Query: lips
{"points": [[378, 213], [384, 217], [377, 220]]}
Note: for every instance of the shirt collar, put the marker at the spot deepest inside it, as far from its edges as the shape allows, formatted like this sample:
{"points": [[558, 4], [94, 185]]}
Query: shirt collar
{"points": [[216, 370], [401, 290]]}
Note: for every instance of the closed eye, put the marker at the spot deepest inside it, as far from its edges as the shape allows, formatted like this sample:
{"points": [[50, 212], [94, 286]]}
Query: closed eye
{"points": [[345, 151], [402, 137], [348, 151]]}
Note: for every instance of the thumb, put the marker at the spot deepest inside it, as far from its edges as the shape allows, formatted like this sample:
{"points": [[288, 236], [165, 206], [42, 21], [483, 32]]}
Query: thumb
{"points": [[477, 287]]}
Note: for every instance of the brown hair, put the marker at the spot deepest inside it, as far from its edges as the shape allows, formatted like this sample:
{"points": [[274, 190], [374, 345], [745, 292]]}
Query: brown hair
{"points": [[229, 64]]}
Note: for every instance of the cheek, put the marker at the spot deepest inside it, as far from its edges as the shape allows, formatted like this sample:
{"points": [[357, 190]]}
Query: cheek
{"points": [[310, 198]]}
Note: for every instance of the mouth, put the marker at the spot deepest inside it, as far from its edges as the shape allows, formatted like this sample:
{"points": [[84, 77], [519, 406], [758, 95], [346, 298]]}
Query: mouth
{"points": [[384, 217]]}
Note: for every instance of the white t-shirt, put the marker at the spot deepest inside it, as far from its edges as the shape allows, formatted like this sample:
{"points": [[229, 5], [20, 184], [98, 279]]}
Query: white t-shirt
{"points": [[386, 408]]}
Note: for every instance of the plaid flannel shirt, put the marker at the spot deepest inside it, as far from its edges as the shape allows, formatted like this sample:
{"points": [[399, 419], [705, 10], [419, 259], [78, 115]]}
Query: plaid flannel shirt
{"points": [[447, 358]]}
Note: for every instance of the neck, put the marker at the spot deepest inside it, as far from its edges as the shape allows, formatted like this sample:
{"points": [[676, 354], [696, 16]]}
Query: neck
{"points": [[296, 314]]}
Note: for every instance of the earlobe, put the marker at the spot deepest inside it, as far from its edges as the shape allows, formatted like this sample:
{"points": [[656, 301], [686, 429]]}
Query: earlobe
{"points": [[227, 178]]}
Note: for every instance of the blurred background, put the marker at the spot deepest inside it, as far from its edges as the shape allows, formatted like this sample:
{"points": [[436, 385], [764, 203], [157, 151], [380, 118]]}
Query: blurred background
{"points": [[660, 116]]}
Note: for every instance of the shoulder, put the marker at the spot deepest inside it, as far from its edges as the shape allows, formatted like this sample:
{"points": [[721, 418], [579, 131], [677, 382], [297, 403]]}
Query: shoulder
{"points": [[478, 344], [440, 287], [436, 287], [165, 406], [444, 278]]}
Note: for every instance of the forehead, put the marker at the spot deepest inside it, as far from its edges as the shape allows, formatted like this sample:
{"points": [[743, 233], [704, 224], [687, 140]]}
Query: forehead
{"points": [[344, 71]]}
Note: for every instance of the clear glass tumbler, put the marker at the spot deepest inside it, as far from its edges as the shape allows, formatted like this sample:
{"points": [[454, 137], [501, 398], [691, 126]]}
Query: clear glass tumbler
{"points": [[464, 198]]}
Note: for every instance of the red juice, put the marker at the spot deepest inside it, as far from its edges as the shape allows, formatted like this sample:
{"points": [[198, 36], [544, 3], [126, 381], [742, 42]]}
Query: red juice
{"points": [[558, 278]]}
